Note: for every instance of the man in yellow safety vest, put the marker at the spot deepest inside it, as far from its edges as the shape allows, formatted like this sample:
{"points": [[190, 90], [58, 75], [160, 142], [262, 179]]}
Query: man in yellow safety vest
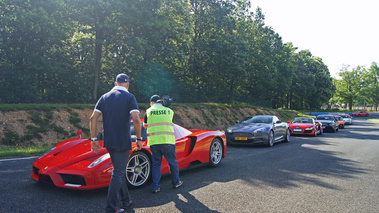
{"points": [[161, 139]]}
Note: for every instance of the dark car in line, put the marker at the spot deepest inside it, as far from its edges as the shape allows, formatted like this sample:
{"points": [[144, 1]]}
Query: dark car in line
{"points": [[329, 122], [258, 129]]}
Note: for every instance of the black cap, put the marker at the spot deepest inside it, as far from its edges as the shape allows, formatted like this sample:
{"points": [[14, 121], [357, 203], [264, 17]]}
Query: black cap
{"points": [[122, 78], [155, 98]]}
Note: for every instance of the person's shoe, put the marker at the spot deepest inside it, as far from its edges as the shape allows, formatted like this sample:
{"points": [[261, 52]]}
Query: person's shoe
{"points": [[127, 206], [120, 211], [179, 184], [156, 191]]}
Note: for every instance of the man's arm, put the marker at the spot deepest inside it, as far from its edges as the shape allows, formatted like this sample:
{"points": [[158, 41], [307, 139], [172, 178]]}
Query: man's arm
{"points": [[137, 128], [145, 121], [95, 145]]}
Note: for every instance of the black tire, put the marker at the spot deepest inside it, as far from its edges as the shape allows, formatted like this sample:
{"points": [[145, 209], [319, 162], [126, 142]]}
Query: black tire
{"points": [[270, 139], [138, 169], [216, 151], [288, 136]]}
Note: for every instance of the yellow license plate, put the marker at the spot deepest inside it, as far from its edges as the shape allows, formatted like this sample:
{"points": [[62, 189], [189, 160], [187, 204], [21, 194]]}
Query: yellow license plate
{"points": [[241, 138]]}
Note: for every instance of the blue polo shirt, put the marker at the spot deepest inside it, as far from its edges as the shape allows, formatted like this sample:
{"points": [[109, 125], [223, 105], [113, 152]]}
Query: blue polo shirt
{"points": [[116, 107]]}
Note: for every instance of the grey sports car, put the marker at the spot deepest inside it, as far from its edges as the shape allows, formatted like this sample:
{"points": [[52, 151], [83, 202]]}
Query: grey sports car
{"points": [[329, 122], [259, 129]]}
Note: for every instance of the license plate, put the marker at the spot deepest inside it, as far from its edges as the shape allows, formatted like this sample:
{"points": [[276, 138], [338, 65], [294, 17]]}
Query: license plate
{"points": [[241, 138], [297, 130]]}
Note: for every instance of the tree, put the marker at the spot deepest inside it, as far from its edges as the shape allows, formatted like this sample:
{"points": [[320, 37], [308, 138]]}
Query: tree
{"points": [[370, 90], [32, 51], [348, 88]]}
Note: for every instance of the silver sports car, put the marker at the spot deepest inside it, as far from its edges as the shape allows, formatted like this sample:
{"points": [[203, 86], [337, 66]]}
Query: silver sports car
{"points": [[259, 129]]}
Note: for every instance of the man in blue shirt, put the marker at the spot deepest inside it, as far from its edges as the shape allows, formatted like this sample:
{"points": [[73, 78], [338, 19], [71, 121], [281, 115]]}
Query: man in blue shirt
{"points": [[117, 107]]}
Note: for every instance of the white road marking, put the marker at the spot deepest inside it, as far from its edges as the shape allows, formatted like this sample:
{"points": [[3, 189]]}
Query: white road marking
{"points": [[13, 159]]}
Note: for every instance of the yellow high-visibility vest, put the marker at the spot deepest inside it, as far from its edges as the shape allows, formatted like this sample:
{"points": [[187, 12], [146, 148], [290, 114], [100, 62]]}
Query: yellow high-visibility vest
{"points": [[160, 129]]}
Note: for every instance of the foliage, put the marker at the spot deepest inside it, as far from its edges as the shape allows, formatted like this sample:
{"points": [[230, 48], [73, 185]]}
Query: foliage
{"points": [[370, 87], [349, 87], [196, 51], [7, 151], [10, 138]]}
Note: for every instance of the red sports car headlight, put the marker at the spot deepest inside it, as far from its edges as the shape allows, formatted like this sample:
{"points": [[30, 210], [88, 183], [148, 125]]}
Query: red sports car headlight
{"points": [[99, 160]]}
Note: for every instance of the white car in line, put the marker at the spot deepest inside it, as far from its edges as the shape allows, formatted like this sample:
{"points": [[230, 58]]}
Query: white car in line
{"points": [[347, 118]]}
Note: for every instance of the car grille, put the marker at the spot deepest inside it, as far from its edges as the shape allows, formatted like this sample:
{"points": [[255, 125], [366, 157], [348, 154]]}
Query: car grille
{"points": [[73, 179], [297, 130], [242, 134]]}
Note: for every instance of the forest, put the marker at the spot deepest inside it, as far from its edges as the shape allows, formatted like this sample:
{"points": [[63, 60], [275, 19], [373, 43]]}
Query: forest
{"points": [[195, 51]]}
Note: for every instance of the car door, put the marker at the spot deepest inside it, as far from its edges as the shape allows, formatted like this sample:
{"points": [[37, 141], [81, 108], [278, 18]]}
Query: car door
{"points": [[279, 128]]}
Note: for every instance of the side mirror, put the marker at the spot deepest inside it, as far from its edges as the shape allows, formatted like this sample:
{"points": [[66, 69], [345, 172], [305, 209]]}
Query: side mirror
{"points": [[237, 122], [279, 121], [288, 122]]}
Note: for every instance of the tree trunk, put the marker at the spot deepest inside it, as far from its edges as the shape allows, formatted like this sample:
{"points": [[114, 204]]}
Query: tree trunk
{"points": [[98, 52]]}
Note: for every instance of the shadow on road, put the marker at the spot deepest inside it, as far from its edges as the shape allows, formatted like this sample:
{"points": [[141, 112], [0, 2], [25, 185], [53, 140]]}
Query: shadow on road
{"points": [[299, 162]]}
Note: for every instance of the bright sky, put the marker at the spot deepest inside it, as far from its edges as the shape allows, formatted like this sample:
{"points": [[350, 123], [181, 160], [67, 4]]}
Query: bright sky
{"points": [[338, 31]]}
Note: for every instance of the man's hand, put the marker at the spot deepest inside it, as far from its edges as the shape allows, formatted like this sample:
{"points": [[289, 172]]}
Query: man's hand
{"points": [[139, 145], [95, 146]]}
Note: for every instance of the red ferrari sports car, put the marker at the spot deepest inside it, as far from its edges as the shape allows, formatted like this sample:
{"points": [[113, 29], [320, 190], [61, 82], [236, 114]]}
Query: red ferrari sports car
{"points": [[360, 113], [305, 126], [72, 164]]}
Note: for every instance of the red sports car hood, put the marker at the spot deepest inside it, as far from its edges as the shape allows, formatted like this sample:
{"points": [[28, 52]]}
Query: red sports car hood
{"points": [[302, 125], [68, 152]]}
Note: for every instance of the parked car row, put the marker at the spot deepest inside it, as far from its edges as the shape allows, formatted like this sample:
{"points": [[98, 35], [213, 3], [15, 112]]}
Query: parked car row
{"points": [[269, 129], [72, 164]]}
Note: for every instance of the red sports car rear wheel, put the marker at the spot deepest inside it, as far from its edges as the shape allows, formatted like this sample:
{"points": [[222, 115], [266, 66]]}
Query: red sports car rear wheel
{"points": [[215, 152], [138, 169]]}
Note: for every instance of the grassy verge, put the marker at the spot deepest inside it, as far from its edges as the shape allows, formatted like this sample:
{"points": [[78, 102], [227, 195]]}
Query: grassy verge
{"points": [[7, 151], [374, 120], [42, 123]]}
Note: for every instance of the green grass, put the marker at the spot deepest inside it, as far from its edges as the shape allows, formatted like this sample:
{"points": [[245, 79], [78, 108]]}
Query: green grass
{"points": [[7, 151], [374, 120]]}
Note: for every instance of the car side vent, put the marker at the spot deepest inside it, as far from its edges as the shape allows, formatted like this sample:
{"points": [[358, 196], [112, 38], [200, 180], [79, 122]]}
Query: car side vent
{"points": [[73, 179], [193, 143]]}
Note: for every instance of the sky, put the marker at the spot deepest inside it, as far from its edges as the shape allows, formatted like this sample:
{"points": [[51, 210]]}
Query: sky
{"points": [[341, 32]]}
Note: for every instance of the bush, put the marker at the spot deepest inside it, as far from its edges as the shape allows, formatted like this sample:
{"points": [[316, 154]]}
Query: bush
{"points": [[11, 138]]}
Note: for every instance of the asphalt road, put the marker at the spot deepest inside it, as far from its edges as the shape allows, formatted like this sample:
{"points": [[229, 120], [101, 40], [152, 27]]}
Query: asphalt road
{"points": [[335, 172]]}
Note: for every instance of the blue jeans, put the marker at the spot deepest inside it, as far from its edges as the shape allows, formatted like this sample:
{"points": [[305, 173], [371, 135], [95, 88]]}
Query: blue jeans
{"points": [[118, 189], [168, 151]]}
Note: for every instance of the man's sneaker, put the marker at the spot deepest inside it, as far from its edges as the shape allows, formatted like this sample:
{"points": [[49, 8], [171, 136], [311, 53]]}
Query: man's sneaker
{"points": [[127, 206], [120, 211], [179, 184], [156, 191]]}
